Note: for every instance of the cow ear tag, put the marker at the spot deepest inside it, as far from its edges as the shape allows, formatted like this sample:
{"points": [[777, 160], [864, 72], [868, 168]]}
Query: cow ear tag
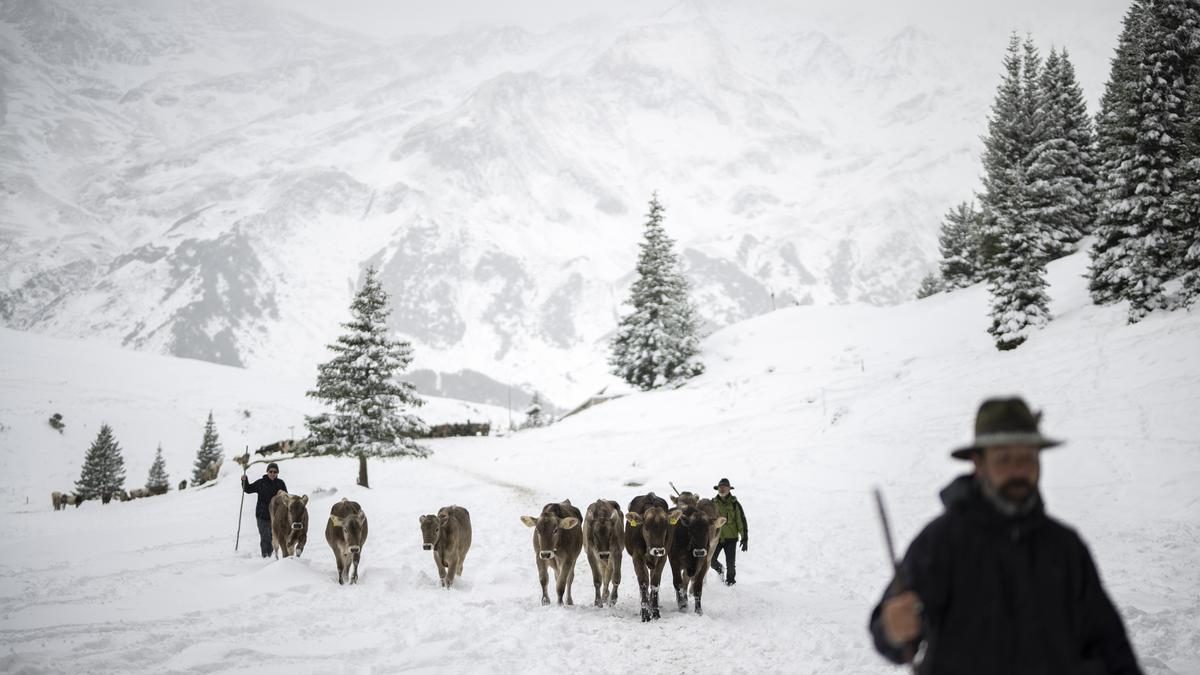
{"points": [[337, 522], [674, 520]]}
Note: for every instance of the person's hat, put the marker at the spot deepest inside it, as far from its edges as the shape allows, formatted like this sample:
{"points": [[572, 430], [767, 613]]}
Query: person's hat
{"points": [[1005, 421], [724, 482], [272, 465]]}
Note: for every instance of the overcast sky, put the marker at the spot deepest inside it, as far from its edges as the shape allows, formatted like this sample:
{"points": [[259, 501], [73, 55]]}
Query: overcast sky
{"points": [[399, 17]]}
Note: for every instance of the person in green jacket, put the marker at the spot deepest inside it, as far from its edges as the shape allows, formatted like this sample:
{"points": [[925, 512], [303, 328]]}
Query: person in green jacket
{"points": [[735, 524]]}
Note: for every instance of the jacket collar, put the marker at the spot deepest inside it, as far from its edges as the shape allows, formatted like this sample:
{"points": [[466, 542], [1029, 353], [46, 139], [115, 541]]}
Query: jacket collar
{"points": [[965, 497]]}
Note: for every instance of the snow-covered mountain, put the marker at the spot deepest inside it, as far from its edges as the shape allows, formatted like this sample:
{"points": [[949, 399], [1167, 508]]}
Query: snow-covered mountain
{"points": [[207, 179], [804, 410]]}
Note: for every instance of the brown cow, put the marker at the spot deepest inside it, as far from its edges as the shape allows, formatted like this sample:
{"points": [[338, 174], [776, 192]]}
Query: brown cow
{"points": [[603, 542], [448, 535], [289, 524], [685, 499], [648, 537], [695, 539], [59, 500], [557, 541], [346, 532]]}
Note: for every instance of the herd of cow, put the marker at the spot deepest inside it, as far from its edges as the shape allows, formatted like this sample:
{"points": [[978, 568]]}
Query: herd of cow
{"points": [[653, 533]]}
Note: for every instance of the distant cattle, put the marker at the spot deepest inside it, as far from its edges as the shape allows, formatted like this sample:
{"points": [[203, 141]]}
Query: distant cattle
{"points": [[649, 534], [603, 541], [458, 429], [60, 500], [557, 541], [289, 524], [695, 539], [139, 493], [448, 535], [278, 447], [346, 533], [183, 485]]}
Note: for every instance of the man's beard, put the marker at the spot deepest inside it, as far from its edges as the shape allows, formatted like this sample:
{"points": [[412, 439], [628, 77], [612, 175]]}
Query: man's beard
{"points": [[1016, 491], [1015, 497]]}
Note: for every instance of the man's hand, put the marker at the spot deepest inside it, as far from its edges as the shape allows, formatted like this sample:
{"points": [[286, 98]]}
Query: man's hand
{"points": [[245, 480], [901, 618], [745, 541]]}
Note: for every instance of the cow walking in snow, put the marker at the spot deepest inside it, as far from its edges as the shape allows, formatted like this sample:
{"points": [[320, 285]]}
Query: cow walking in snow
{"points": [[289, 524], [557, 541], [346, 532], [448, 535], [648, 536], [695, 537], [603, 541]]}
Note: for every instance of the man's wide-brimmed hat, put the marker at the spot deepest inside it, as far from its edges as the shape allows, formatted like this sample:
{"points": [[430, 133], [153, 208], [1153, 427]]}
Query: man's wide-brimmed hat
{"points": [[724, 482], [1005, 421]]}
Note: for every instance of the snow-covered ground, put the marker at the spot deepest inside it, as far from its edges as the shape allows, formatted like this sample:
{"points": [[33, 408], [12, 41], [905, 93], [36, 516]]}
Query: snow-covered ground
{"points": [[804, 409]]}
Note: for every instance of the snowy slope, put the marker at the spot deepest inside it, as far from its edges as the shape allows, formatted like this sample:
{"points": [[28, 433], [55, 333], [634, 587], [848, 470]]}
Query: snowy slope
{"points": [[207, 179], [804, 409]]}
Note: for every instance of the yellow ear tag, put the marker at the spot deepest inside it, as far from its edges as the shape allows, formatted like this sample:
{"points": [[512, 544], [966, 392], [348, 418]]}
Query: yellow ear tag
{"points": [[631, 523], [673, 521], [337, 522]]}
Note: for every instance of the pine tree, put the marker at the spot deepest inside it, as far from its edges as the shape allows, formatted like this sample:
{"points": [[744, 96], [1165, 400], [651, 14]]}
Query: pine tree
{"points": [[1186, 200], [932, 284], [158, 482], [1013, 245], [657, 343], [1109, 275], [960, 247], [1061, 179], [370, 414], [1154, 230], [209, 456], [533, 414], [103, 473]]}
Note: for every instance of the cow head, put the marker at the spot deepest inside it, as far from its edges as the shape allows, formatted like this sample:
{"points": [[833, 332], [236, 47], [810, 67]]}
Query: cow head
{"points": [[349, 516], [547, 530], [431, 531], [701, 530], [297, 513], [685, 499], [604, 522], [654, 524]]}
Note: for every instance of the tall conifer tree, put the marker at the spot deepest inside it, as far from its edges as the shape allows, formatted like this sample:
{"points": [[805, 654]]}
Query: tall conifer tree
{"points": [[158, 482], [209, 456], [103, 473], [657, 343], [960, 247], [371, 411]]}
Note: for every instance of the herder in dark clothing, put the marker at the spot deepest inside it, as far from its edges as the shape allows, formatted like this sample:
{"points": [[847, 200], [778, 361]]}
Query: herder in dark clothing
{"points": [[994, 585], [265, 488]]}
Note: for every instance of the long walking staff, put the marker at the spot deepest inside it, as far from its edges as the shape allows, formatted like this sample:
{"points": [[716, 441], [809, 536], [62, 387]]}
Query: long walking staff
{"points": [[673, 488], [897, 585], [245, 466]]}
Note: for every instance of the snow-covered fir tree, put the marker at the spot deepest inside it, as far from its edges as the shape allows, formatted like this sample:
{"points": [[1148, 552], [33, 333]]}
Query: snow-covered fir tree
{"points": [[1061, 178], [534, 415], [960, 247], [1014, 257], [370, 410], [209, 456], [103, 473], [1186, 200], [158, 482], [1116, 131], [931, 284], [656, 343], [1155, 230]]}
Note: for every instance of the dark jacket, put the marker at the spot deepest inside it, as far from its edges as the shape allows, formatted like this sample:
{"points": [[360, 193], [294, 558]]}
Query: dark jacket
{"points": [[265, 488], [735, 517], [1007, 594]]}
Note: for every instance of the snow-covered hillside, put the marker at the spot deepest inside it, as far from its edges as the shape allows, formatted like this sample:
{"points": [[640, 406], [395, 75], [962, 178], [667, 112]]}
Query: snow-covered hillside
{"points": [[206, 179], [804, 409]]}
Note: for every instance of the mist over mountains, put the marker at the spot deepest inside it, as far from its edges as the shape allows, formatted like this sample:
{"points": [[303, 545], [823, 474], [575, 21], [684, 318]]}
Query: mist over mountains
{"points": [[209, 179]]}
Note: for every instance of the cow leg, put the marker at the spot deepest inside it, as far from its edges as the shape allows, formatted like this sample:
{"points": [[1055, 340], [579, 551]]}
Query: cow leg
{"points": [[698, 590], [615, 561], [301, 541], [570, 581], [597, 574], [543, 579], [655, 582], [643, 586], [451, 570], [605, 582], [441, 567], [354, 576], [340, 558]]}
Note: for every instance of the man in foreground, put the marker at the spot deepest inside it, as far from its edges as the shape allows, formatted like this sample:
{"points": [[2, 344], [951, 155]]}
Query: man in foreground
{"points": [[994, 585]]}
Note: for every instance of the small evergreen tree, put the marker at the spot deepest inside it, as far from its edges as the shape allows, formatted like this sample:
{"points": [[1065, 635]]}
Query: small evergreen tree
{"points": [[157, 482], [1109, 275], [533, 414], [930, 285], [103, 473], [657, 343], [209, 456], [370, 414], [960, 247]]}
